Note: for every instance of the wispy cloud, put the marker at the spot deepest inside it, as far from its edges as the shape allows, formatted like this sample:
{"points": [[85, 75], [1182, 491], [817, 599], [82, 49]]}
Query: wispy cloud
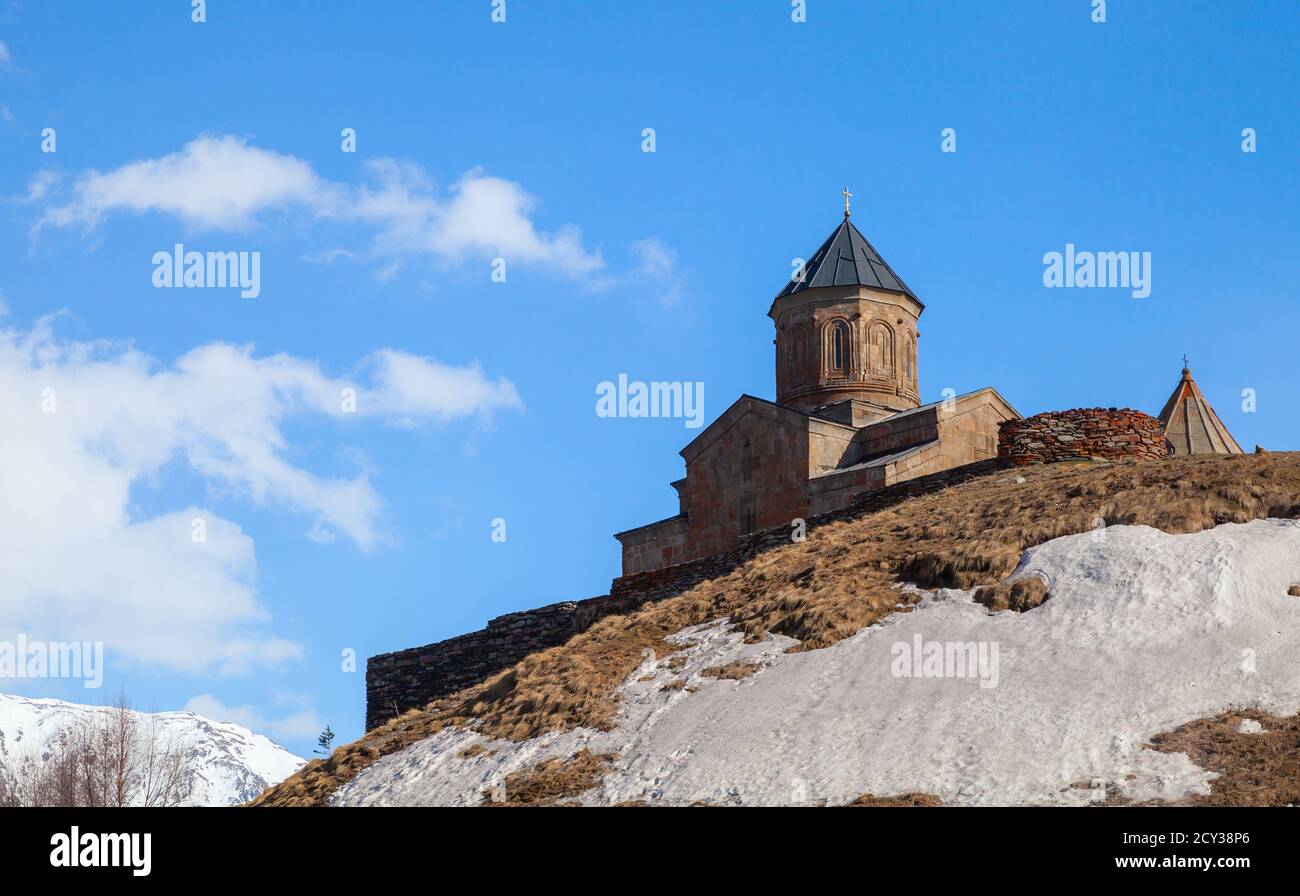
{"points": [[224, 183], [39, 187], [657, 266]]}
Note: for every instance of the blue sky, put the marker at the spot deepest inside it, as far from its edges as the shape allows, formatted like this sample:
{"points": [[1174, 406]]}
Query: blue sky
{"points": [[523, 140]]}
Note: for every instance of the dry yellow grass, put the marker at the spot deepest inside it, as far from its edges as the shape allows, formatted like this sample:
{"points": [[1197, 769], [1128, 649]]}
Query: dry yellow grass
{"points": [[1254, 769], [731, 671], [1020, 596], [843, 578], [903, 800], [553, 781]]}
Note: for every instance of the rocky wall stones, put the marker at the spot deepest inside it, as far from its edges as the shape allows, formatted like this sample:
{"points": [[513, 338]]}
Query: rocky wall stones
{"points": [[1082, 433]]}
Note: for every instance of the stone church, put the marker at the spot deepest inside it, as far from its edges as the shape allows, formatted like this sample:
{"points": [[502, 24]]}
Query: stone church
{"points": [[847, 421], [847, 417]]}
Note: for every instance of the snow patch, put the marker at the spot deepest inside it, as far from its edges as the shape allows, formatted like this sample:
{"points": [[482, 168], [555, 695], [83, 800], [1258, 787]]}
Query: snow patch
{"points": [[1144, 631]]}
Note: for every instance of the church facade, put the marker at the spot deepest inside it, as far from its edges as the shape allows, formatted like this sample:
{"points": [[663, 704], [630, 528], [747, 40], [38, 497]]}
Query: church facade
{"points": [[848, 416]]}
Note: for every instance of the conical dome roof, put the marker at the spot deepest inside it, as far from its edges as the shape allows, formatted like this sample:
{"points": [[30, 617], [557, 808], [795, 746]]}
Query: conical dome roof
{"points": [[848, 259], [1191, 426]]}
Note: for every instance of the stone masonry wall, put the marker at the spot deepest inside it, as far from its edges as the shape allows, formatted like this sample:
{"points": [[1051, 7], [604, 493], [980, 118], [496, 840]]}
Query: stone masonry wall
{"points": [[1082, 433], [396, 682]]}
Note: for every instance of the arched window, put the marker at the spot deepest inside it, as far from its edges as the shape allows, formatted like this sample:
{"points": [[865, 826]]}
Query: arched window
{"points": [[795, 355], [838, 348], [909, 360], [881, 342]]}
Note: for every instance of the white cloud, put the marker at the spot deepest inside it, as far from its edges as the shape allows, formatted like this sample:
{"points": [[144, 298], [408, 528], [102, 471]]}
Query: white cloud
{"points": [[40, 186], [213, 182], [409, 387], [299, 725], [6, 60], [388, 271], [482, 217], [223, 183], [657, 264], [656, 259], [328, 256], [81, 562]]}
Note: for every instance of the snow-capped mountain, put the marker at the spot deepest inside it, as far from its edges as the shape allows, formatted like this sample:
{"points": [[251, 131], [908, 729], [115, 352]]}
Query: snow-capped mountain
{"points": [[230, 763]]}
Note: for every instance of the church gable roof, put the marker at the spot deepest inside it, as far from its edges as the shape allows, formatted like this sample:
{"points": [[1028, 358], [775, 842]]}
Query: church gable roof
{"points": [[848, 259], [748, 404], [1191, 425]]}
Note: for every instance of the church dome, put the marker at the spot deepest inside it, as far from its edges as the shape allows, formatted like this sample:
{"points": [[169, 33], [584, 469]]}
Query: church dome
{"points": [[846, 330], [847, 258]]}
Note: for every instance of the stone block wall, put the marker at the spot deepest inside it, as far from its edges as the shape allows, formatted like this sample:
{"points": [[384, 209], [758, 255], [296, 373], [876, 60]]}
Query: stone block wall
{"points": [[1082, 433], [742, 476], [871, 502], [748, 476], [899, 432], [835, 491], [396, 682], [657, 545]]}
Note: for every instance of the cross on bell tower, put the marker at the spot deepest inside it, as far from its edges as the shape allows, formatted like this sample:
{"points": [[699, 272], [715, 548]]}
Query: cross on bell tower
{"points": [[847, 196]]}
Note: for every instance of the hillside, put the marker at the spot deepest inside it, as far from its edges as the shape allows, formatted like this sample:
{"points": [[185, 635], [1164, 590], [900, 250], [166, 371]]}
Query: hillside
{"points": [[231, 764], [1156, 649]]}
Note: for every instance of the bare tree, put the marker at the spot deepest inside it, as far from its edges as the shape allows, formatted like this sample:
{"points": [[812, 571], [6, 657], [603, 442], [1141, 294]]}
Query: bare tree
{"points": [[110, 757], [163, 776], [51, 779]]}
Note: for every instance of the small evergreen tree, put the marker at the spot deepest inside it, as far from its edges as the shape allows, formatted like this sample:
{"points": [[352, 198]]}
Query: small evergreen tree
{"points": [[325, 740]]}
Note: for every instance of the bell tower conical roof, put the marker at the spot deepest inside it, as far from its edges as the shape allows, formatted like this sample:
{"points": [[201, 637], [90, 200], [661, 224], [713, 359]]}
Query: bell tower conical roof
{"points": [[1191, 425], [847, 258]]}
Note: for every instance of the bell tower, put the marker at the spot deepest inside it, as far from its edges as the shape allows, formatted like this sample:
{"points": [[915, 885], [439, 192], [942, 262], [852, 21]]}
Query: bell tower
{"points": [[846, 328]]}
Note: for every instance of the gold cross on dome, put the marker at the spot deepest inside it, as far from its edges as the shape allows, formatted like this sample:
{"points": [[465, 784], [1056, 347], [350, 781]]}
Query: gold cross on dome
{"points": [[847, 195]]}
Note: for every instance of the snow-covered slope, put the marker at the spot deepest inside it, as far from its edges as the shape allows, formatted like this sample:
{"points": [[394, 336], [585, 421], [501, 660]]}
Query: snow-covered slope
{"points": [[231, 763], [1144, 631]]}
